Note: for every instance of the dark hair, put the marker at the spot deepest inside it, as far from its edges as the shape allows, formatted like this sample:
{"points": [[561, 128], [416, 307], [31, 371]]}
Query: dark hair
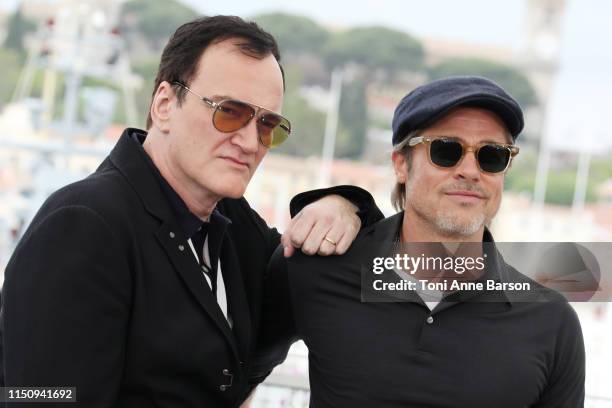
{"points": [[179, 60]]}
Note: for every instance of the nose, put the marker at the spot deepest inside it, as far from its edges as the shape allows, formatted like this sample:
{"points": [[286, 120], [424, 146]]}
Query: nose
{"points": [[247, 138], [468, 168]]}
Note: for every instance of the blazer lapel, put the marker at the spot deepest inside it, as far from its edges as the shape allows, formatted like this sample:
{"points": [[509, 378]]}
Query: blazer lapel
{"points": [[238, 307], [178, 250]]}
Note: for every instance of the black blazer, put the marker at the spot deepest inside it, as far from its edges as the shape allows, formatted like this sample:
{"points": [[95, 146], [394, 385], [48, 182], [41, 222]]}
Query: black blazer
{"points": [[104, 294]]}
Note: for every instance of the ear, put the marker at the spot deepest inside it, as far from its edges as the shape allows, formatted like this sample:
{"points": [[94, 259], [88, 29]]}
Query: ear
{"points": [[400, 167], [162, 106]]}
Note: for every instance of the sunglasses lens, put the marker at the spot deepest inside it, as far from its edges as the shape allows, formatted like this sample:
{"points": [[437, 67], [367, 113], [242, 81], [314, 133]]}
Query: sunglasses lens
{"points": [[493, 159], [232, 115], [445, 153], [273, 129]]}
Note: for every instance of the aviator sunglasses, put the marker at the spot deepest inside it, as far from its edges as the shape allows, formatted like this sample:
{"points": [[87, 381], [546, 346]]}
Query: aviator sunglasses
{"points": [[229, 115], [448, 152]]}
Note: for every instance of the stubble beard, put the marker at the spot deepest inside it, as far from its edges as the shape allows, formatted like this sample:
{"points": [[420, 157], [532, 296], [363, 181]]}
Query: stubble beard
{"points": [[447, 224]]}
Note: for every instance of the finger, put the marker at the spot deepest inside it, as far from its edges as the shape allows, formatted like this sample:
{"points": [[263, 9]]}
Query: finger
{"points": [[288, 251], [345, 241], [334, 234], [285, 238], [312, 243], [349, 234], [297, 231], [300, 231]]}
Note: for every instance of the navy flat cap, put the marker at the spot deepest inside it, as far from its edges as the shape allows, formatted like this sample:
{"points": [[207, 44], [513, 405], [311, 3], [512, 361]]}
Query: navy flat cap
{"points": [[429, 102]]}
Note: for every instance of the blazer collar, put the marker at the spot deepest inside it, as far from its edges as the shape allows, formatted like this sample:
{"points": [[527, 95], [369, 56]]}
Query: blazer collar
{"points": [[138, 169]]}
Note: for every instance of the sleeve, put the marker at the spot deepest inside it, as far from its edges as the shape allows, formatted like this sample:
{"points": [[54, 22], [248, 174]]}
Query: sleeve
{"points": [[278, 330], [65, 307], [368, 212], [566, 381]]}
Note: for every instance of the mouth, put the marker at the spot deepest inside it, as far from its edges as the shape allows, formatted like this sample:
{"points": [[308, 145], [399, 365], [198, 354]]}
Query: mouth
{"points": [[236, 162], [465, 196]]}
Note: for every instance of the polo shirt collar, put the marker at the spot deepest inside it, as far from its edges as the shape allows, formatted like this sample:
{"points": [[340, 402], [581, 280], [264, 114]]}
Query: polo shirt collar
{"points": [[386, 232]]}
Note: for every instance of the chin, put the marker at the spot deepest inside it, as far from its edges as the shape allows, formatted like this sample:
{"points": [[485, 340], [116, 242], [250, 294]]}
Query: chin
{"points": [[231, 189], [457, 225]]}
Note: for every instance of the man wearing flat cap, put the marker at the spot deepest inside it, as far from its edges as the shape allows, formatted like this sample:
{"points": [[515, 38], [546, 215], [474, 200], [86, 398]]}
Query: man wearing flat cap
{"points": [[374, 345]]}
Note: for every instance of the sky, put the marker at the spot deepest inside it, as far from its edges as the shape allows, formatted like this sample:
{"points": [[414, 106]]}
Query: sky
{"points": [[581, 99]]}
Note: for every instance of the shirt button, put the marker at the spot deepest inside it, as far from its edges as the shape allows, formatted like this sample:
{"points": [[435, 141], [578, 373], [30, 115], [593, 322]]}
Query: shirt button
{"points": [[429, 320], [226, 372], [181, 247], [222, 388], [172, 234]]}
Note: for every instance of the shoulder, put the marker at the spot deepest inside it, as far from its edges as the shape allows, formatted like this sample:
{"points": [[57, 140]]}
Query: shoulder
{"points": [[103, 197], [552, 307], [538, 292]]}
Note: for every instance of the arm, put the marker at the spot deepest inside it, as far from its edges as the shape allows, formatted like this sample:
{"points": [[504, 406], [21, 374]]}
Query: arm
{"points": [[566, 380], [66, 302], [338, 212], [367, 210]]}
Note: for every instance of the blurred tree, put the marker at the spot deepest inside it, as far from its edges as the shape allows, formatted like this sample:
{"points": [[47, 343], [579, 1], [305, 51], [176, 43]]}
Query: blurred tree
{"points": [[11, 62], [307, 128], [560, 187], [147, 69], [307, 123], [372, 50], [375, 48], [507, 76], [520, 177], [17, 28], [156, 20], [352, 120], [600, 170], [294, 33]]}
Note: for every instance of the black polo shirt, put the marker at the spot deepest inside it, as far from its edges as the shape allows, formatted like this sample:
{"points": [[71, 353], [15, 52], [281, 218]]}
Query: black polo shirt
{"points": [[467, 353]]}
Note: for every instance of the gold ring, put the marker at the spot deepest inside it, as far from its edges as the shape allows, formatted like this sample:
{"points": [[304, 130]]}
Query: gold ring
{"points": [[331, 241]]}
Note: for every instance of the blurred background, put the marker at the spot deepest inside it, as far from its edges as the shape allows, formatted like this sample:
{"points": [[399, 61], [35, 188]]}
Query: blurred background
{"points": [[75, 73]]}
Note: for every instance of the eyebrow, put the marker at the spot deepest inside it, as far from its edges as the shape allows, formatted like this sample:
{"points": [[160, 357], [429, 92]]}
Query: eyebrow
{"points": [[221, 97], [218, 98]]}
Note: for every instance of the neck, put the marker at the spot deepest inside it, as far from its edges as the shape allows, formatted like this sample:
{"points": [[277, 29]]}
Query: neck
{"points": [[416, 229], [198, 200]]}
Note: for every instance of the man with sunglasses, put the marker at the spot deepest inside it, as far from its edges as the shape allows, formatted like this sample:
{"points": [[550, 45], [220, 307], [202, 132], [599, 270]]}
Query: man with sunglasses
{"points": [[379, 336], [140, 286]]}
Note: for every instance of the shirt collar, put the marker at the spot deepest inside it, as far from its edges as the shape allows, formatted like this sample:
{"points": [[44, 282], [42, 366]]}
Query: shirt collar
{"points": [[187, 221], [497, 269]]}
